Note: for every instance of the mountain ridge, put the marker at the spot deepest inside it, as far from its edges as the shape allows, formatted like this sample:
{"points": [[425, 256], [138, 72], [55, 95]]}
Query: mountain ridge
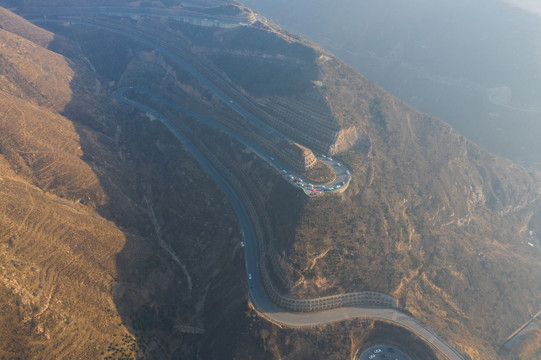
{"points": [[429, 216]]}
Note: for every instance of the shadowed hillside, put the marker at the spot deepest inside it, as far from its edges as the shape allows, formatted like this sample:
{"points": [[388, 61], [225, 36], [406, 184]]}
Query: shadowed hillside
{"points": [[429, 217], [83, 272], [58, 255]]}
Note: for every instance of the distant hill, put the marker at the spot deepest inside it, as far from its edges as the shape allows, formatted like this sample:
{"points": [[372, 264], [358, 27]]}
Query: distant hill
{"points": [[94, 190], [474, 64], [430, 217]]}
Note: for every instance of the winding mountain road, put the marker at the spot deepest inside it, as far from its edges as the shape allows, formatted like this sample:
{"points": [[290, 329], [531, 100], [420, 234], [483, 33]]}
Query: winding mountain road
{"points": [[342, 173], [258, 295]]}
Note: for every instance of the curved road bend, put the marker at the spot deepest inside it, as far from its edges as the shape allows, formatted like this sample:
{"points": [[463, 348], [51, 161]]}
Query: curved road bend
{"points": [[342, 174], [257, 294]]}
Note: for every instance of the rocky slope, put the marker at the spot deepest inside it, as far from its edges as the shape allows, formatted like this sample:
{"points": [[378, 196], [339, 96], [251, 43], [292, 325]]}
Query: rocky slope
{"points": [[58, 265], [456, 60], [84, 190], [429, 216]]}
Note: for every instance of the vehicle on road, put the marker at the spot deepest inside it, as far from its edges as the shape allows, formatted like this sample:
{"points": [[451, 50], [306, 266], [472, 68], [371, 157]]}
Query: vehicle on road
{"points": [[372, 356], [242, 244], [377, 351], [284, 171], [283, 317]]}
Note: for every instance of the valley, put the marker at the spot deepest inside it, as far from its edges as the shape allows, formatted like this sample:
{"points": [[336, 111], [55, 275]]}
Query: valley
{"points": [[396, 243]]}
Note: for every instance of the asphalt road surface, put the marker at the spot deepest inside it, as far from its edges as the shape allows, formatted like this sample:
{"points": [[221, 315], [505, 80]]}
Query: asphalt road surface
{"points": [[382, 351], [342, 173], [257, 293]]}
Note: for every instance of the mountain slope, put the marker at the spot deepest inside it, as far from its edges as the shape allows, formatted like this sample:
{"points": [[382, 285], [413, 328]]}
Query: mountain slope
{"points": [[430, 217], [14, 24], [87, 191], [57, 255]]}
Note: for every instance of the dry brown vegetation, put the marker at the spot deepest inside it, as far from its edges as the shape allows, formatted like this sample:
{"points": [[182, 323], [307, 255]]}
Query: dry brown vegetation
{"points": [[429, 217], [58, 268], [529, 346], [17, 25], [81, 271], [57, 255], [320, 173], [43, 148]]}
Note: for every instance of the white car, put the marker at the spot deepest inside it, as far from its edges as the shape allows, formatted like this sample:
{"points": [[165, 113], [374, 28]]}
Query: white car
{"points": [[250, 276], [242, 244], [372, 356], [377, 351]]}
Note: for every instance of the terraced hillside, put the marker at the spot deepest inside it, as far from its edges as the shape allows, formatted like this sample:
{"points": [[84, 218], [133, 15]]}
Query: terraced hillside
{"points": [[58, 265], [84, 272], [429, 217]]}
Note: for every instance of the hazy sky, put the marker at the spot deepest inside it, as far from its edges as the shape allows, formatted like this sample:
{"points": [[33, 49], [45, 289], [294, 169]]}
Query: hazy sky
{"points": [[529, 5], [473, 63]]}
